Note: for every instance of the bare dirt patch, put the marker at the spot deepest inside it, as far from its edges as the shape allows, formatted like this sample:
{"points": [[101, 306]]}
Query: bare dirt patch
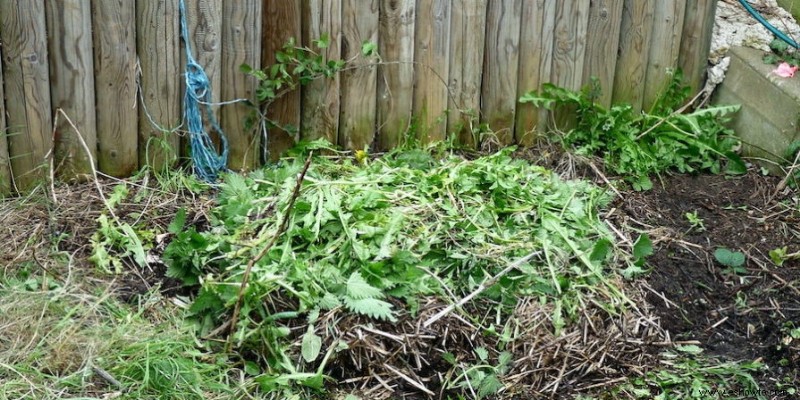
{"points": [[735, 316]]}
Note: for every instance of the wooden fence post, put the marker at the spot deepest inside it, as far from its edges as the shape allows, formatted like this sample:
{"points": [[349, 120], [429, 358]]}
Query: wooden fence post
{"points": [[5, 163], [605, 19], [467, 35], [320, 99], [241, 43], [501, 68], [665, 44], [204, 20], [281, 22], [637, 26], [698, 25], [72, 86], [395, 81], [359, 85], [27, 89], [535, 65], [431, 51], [157, 44], [117, 104]]}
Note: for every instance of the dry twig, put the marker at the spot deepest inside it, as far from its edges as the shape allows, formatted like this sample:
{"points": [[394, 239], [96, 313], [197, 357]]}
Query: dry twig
{"points": [[281, 228]]}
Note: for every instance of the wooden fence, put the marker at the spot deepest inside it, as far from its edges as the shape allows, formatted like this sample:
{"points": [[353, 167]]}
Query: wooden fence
{"points": [[108, 63]]}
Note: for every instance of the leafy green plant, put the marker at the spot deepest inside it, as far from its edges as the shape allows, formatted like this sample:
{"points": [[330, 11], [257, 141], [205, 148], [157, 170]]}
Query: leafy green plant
{"points": [[731, 259], [639, 145], [114, 240], [780, 255], [482, 378], [781, 52], [295, 65], [695, 221]]}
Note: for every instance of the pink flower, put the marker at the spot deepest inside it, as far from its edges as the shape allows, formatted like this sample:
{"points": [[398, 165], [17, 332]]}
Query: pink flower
{"points": [[785, 70]]}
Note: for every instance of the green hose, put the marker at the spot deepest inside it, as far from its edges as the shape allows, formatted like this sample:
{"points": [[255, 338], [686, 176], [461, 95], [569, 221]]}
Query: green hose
{"points": [[780, 35]]}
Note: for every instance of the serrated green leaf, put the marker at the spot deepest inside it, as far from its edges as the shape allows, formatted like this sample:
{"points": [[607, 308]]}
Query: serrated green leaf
{"points": [[371, 307], [643, 247], [600, 251], [176, 226], [329, 301], [358, 288], [489, 385], [482, 353]]}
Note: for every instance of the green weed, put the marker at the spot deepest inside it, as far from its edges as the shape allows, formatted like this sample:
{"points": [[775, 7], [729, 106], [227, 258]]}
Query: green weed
{"points": [[637, 146]]}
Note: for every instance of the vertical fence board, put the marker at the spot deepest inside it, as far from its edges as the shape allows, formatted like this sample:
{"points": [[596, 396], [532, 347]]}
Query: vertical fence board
{"points": [[637, 25], [396, 78], [281, 22], [467, 35], [499, 87], [5, 163], [114, 30], [241, 44], [204, 23], [24, 37], [605, 17], [698, 24], [359, 85], [665, 44], [320, 98], [158, 47], [69, 23], [431, 51], [569, 49], [569, 53], [535, 65]]}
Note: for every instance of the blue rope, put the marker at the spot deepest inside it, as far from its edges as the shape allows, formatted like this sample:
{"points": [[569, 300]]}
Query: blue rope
{"points": [[780, 35], [207, 162]]}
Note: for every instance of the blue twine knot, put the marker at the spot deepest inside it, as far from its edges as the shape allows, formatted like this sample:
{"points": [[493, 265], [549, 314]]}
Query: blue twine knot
{"points": [[207, 162]]}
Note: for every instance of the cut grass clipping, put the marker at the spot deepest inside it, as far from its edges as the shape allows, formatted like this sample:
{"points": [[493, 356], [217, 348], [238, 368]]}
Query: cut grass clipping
{"points": [[377, 238], [62, 343]]}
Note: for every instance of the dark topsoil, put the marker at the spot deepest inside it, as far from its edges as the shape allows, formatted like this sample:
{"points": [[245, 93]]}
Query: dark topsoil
{"points": [[734, 316]]}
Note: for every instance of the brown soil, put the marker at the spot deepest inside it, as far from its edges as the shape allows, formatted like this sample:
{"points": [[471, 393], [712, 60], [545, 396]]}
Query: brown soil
{"points": [[735, 316]]}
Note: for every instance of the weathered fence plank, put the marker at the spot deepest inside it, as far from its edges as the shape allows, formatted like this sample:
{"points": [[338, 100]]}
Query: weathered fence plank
{"points": [[431, 71], [499, 87], [665, 44], [5, 163], [69, 23], [241, 44], [698, 24], [396, 77], [27, 87], [569, 53], [320, 98], [281, 22], [158, 48], [605, 17], [535, 65], [204, 22], [467, 35], [635, 31], [570, 43], [359, 85], [114, 31]]}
